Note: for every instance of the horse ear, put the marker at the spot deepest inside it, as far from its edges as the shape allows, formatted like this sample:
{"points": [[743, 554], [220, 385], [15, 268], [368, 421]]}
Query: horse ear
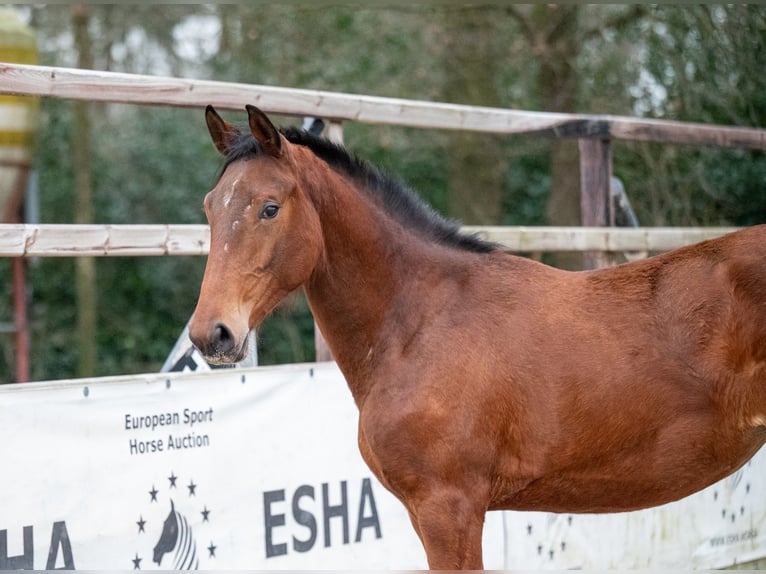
{"points": [[264, 131], [222, 132]]}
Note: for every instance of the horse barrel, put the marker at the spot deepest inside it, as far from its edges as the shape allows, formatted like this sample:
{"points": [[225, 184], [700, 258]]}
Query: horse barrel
{"points": [[18, 116]]}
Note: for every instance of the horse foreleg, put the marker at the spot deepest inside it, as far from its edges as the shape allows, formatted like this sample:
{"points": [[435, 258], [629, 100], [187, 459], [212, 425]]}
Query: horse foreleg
{"points": [[450, 526]]}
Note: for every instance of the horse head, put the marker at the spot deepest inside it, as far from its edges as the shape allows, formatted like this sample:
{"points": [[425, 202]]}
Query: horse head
{"points": [[265, 235], [169, 536]]}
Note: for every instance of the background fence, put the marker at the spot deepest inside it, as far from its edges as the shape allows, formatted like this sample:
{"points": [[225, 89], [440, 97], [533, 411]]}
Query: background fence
{"points": [[593, 132]]}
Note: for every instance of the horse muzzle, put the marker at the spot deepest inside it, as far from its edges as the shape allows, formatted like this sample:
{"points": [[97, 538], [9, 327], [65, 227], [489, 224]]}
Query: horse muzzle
{"points": [[219, 345]]}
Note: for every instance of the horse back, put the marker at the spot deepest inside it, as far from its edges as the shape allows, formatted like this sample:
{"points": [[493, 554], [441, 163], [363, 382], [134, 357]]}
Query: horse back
{"points": [[716, 292], [700, 310], [635, 373]]}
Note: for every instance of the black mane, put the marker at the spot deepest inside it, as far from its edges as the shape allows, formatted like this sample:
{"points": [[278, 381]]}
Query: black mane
{"points": [[396, 198]]}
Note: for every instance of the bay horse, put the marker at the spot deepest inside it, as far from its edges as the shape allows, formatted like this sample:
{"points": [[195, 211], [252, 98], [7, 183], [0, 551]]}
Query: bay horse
{"points": [[486, 380]]}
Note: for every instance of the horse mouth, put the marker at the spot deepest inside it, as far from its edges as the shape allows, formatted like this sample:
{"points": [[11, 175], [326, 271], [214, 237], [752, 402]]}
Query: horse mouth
{"points": [[228, 358], [221, 347], [157, 558], [218, 343]]}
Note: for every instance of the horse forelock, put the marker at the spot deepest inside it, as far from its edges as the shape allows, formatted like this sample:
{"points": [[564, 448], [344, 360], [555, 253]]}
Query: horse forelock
{"points": [[245, 146]]}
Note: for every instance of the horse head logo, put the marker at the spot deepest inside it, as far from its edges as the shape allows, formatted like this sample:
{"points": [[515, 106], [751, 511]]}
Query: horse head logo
{"points": [[177, 536]]}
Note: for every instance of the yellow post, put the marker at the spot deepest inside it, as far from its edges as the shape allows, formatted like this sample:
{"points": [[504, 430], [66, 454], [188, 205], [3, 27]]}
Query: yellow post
{"points": [[18, 121], [18, 116]]}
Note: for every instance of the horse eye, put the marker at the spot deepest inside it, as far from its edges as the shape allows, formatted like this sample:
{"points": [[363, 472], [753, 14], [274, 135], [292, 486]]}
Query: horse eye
{"points": [[269, 211]]}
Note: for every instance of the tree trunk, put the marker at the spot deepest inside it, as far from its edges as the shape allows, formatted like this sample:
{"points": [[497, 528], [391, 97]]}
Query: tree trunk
{"points": [[85, 271], [558, 93], [476, 161]]}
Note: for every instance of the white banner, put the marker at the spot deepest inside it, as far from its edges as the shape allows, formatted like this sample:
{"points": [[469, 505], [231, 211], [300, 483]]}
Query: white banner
{"points": [[253, 469], [720, 526], [259, 469]]}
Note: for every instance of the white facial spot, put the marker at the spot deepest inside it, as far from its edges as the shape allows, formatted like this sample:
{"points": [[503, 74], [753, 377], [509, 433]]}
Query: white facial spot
{"points": [[226, 247], [234, 224], [230, 193]]}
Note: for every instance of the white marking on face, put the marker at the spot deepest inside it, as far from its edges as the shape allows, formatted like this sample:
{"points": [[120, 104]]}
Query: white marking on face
{"points": [[226, 247], [230, 193], [234, 224]]}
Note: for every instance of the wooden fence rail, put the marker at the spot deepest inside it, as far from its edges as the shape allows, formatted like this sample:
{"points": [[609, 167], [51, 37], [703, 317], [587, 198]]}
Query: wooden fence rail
{"points": [[146, 240], [155, 90], [53, 240]]}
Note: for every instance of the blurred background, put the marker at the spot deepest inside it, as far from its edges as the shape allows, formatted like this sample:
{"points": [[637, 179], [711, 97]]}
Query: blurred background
{"points": [[108, 163]]}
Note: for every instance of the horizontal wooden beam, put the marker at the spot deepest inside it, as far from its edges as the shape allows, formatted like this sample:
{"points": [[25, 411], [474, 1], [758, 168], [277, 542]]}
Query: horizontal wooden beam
{"points": [[616, 239], [99, 86], [53, 240], [144, 240]]}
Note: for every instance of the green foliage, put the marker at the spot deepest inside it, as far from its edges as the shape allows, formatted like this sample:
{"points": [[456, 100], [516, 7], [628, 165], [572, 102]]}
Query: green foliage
{"points": [[526, 185], [288, 334], [7, 340], [703, 64], [156, 165], [150, 165]]}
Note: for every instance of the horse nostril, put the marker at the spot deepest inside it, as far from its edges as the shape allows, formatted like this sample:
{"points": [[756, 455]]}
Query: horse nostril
{"points": [[222, 339]]}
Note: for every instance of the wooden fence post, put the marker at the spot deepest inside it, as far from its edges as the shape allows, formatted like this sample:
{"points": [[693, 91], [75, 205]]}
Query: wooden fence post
{"points": [[595, 199]]}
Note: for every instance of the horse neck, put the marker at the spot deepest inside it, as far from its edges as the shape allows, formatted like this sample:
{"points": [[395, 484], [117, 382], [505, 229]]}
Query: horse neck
{"points": [[367, 263]]}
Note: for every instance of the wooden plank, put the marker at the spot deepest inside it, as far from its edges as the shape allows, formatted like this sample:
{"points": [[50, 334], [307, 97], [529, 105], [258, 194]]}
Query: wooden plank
{"points": [[548, 239], [12, 239], [53, 240], [686, 133], [156, 90], [90, 85], [595, 178]]}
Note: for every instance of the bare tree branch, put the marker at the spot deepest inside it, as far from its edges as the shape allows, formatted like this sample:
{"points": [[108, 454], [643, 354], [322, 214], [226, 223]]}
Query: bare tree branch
{"points": [[556, 26], [617, 22], [524, 24]]}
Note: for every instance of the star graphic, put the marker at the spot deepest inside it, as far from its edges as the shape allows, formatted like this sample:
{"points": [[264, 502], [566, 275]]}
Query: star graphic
{"points": [[153, 493], [172, 478], [205, 514], [141, 523], [191, 488], [136, 562], [211, 549]]}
